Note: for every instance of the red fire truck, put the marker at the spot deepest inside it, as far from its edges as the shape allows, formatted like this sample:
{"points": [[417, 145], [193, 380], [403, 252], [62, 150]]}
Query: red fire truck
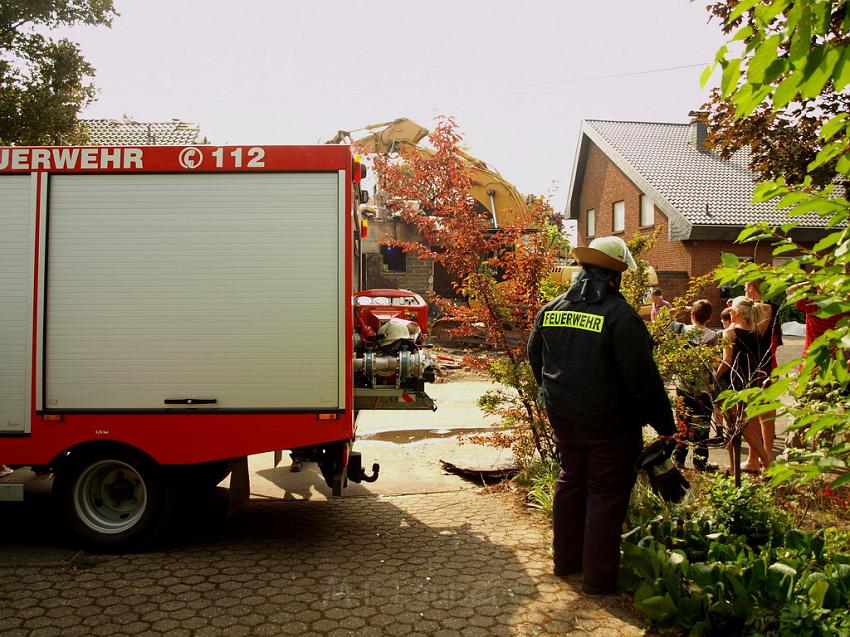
{"points": [[167, 311]]}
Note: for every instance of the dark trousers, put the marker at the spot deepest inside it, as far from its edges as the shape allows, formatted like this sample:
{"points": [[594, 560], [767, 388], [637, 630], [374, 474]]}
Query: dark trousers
{"points": [[698, 412], [591, 499]]}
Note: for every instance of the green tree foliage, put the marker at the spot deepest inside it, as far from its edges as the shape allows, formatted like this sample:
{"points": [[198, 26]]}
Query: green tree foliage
{"points": [[677, 356], [44, 82], [635, 283], [783, 138], [797, 52]]}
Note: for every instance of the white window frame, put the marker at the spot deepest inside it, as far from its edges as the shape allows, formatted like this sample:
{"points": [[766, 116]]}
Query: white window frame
{"points": [[647, 211], [591, 222], [618, 213]]}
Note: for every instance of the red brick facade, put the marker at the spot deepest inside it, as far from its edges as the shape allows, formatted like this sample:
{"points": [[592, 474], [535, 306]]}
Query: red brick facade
{"points": [[676, 262]]}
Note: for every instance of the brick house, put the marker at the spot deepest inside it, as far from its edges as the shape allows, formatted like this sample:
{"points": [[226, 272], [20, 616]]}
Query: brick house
{"points": [[638, 177]]}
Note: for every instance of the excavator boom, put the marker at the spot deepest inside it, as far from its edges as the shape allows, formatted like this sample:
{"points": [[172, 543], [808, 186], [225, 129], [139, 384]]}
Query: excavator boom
{"points": [[387, 138]]}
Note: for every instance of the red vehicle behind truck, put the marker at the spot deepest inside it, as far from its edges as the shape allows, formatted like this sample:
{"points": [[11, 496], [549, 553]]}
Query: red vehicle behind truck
{"points": [[167, 311]]}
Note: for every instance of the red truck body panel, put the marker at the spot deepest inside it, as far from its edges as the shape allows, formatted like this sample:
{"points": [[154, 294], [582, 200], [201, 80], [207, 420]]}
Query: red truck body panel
{"points": [[189, 435]]}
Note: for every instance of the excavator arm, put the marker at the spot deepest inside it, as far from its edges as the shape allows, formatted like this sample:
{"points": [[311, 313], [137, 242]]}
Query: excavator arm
{"points": [[500, 197], [388, 137], [402, 136]]}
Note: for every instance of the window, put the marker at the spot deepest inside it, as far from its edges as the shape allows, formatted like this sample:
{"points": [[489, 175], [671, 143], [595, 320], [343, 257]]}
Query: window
{"points": [[619, 210], [394, 259], [591, 222], [778, 262], [647, 211]]}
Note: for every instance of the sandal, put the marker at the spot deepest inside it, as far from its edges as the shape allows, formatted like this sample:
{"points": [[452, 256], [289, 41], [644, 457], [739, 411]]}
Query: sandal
{"points": [[730, 472]]}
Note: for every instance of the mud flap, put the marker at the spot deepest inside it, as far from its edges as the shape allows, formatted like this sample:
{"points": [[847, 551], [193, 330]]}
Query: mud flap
{"points": [[333, 463], [340, 476], [240, 487]]}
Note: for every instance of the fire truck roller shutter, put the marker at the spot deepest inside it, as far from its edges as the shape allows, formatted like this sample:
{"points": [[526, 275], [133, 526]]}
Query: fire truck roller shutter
{"points": [[211, 286], [17, 246]]}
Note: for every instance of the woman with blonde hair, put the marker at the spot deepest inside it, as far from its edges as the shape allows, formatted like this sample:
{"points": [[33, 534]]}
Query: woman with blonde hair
{"points": [[744, 356]]}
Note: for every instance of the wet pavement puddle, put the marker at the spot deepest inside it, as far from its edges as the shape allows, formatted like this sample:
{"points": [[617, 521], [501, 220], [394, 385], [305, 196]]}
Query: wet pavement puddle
{"points": [[410, 436]]}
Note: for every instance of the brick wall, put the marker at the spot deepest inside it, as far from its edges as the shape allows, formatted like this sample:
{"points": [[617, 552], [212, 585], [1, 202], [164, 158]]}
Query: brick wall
{"points": [[388, 230], [705, 255], [419, 275]]}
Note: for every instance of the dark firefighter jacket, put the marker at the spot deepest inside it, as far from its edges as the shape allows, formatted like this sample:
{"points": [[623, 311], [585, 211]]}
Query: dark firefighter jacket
{"points": [[594, 365]]}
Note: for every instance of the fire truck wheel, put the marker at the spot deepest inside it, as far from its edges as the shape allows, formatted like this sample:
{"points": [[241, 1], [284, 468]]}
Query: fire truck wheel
{"points": [[115, 499]]}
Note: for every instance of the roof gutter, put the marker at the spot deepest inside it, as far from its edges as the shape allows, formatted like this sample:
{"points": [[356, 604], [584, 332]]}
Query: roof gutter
{"points": [[730, 233]]}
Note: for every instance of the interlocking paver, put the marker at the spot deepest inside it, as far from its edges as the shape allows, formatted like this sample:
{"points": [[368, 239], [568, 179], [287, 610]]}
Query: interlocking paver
{"points": [[136, 628], [459, 563]]}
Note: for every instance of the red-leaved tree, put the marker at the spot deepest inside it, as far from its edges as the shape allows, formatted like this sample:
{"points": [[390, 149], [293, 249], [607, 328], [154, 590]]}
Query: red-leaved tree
{"points": [[498, 270]]}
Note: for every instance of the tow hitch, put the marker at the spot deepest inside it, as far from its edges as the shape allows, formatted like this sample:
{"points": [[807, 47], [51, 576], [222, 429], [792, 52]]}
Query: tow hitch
{"points": [[356, 472], [339, 464]]}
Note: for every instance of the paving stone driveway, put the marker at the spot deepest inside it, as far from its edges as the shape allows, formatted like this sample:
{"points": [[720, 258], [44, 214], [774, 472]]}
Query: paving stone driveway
{"points": [[460, 563]]}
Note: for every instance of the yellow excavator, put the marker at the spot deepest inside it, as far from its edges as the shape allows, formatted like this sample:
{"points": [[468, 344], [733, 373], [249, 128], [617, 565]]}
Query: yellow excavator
{"points": [[492, 191]]}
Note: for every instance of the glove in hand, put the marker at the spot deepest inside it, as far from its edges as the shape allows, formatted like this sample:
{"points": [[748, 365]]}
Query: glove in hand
{"points": [[665, 479]]}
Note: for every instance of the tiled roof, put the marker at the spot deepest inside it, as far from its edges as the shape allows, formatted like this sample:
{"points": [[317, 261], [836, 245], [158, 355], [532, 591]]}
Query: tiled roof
{"points": [[125, 132], [698, 191]]}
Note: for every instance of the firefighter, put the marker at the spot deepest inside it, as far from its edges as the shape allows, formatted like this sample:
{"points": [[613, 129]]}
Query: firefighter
{"points": [[592, 357]]}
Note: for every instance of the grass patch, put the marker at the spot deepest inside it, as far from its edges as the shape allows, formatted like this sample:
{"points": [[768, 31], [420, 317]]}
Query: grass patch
{"points": [[537, 484]]}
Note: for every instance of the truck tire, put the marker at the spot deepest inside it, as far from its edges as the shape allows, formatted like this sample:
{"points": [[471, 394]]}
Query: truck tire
{"points": [[114, 500]]}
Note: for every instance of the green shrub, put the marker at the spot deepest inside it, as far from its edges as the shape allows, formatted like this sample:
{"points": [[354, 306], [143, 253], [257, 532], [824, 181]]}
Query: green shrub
{"points": [[689, 577], [750, 510], [728, 562]]}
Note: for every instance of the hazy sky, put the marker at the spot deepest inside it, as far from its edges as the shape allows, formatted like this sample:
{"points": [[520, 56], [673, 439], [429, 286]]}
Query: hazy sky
{"points": [[518, 76]]}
